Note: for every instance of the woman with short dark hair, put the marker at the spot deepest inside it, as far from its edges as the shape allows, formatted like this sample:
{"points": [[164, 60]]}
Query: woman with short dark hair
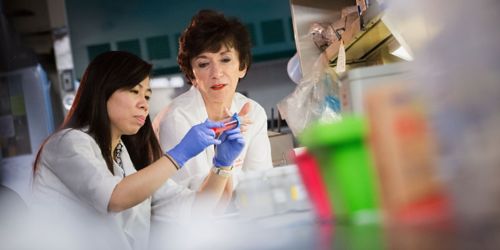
{"points": [[214, 54]]}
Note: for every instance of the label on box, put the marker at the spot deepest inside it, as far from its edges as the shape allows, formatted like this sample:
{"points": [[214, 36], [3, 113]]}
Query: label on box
{"points": [[341, 60]]}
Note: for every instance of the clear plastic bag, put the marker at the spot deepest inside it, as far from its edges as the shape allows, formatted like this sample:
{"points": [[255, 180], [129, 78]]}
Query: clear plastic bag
{"points": [[315, 98]]}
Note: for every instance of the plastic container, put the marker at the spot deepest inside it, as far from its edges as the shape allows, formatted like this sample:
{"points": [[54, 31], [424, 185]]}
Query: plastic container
{"points": [[314, 185], [296, 191], [253, 196], [346, 168], [279, 190], [227, 126]]}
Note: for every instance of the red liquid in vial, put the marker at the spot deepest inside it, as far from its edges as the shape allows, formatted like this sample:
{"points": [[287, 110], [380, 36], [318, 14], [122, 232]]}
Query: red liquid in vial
{"points": [[227, 125]]}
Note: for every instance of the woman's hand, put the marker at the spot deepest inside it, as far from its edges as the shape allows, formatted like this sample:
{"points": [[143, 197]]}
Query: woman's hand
{"points": [[196, 140], [245, 121], [229, 149]]}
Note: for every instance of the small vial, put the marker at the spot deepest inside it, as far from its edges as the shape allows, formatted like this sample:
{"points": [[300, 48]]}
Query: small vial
{"points": [[279, 190], [227, 125], [253, 197]]}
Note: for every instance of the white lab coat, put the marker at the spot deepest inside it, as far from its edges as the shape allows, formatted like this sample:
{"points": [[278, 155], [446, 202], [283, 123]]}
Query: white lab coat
{"points": [[188, 109], [73, 179]]}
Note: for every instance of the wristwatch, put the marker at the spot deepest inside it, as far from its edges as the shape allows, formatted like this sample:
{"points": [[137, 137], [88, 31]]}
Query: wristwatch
{"points": [[223, 171]]}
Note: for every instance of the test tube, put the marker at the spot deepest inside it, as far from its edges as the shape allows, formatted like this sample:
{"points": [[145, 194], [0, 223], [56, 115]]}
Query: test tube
{"points": [[227, 125]]}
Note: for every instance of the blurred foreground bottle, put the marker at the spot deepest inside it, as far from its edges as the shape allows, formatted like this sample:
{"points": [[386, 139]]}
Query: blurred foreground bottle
{"points": [[404, 150], [314, 185], [346, 168]]}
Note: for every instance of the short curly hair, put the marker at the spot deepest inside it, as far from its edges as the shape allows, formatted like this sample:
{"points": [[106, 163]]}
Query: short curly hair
{"points": [[209, 31]]}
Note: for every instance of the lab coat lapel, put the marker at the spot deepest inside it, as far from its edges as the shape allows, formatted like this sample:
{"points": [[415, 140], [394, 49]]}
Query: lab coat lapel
{"points": [[127, 162], [136, 220], [202, 115]]}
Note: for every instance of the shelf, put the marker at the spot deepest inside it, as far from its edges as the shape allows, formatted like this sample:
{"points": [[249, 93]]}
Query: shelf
{"points": [[364, 35], [304, 14], [360, 43]]}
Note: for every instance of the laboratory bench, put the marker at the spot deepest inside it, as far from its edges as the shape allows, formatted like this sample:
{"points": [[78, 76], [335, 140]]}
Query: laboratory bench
{"points": [[301, 230]]}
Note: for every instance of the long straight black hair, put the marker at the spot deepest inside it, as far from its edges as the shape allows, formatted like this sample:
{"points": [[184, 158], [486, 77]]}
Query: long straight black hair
{"points": [[107, 73]]}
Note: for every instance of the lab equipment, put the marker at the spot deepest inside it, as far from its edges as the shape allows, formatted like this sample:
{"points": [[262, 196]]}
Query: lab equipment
{"points": [[233, 123], [277, 181], [404, 149], [298, 196], [25, 121], [25, 110], [227, 125], [313, 183], [253, 197], [275, 191], [346, 168]]}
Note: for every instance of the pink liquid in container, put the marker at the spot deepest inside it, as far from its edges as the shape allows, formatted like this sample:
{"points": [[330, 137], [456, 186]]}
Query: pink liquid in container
{"points": [[227, 126]]}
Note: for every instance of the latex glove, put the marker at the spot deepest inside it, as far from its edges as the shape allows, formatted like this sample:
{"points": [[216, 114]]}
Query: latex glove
{"points": [[196, 140], [229, 149]]}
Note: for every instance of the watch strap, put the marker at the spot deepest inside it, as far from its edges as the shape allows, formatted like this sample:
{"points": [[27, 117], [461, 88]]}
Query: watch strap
{"points": [[223, 171]]}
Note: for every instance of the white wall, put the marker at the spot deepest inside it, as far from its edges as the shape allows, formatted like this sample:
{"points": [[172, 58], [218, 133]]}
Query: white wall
{"points": [[267, 83]]}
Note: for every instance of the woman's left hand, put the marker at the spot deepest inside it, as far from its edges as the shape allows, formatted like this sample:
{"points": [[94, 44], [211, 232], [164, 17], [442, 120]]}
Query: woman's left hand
{"points": [[232, 143], [245, 121]]}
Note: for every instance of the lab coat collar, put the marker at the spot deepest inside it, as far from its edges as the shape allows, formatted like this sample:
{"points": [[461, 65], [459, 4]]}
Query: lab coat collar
{"points": [[203, 112]]}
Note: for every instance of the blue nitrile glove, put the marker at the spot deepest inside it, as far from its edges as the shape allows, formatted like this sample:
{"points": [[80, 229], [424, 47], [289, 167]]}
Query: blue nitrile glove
{"points": [[196, 140], [237, 118], [231, 145]]}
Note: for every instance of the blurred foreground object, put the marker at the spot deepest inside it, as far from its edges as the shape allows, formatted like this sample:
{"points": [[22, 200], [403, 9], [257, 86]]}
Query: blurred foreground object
{"points": [[346, 167], [26, 116], [315, 98], [456, 66], [404, 149], [314, 185], [270, 192]]}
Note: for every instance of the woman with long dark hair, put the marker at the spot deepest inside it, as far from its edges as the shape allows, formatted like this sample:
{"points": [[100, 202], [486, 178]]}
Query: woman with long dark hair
{"points": [[105, 161]]}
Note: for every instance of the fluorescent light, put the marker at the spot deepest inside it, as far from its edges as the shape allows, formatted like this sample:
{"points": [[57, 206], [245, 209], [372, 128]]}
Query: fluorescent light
{"points": [[165, 82], [396, 48], [159, 83], [68, 101], [401, 53], [176, 81]]}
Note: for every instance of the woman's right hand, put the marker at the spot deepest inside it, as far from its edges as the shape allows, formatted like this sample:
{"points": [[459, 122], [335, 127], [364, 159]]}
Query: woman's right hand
{"points": [[196, 140]]}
